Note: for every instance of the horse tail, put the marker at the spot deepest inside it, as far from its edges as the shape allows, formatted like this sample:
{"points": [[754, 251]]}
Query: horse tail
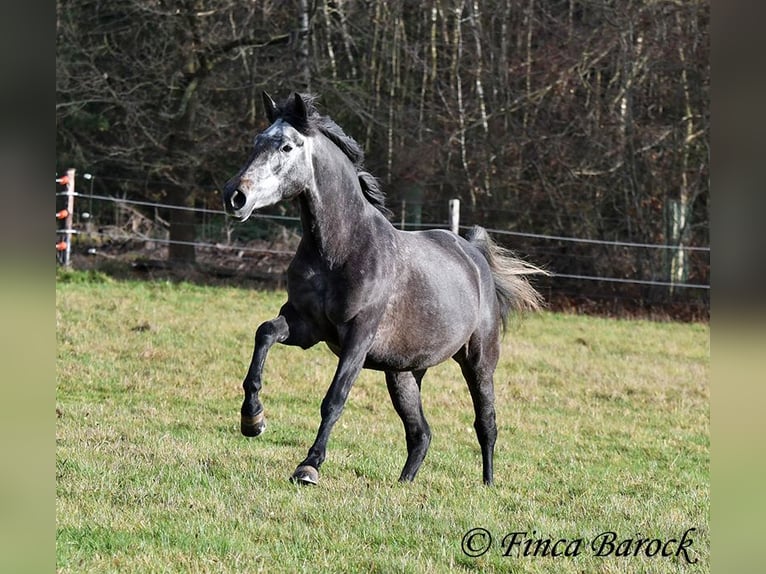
{"points": [[512, 288]]}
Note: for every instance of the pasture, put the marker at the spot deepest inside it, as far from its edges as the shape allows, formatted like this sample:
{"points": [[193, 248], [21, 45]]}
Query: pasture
{"points": [[603, 428]]}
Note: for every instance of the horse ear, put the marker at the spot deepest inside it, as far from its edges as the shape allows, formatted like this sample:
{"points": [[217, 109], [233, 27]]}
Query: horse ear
{"points": [[300, 107], [271, 107]]}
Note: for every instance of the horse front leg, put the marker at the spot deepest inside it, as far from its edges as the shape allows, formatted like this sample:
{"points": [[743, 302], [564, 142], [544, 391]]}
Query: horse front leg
{"points": [[252, 420], [353, 353], [289, 329]]}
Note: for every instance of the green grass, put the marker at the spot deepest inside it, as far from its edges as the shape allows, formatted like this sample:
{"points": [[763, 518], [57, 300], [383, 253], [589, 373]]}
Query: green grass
{"points": [[603, 426]]}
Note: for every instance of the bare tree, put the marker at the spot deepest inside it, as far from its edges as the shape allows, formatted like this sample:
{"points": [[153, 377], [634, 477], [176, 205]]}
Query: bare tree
{"points": [[574, 118], [148, 91]]}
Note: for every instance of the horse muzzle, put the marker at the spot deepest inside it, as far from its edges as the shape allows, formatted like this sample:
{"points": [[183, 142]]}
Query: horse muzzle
{"points": [[234, 199]]}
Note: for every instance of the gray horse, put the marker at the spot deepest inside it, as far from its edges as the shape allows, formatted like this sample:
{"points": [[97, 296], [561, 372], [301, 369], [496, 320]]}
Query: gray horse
{"points": [[383, 299]]}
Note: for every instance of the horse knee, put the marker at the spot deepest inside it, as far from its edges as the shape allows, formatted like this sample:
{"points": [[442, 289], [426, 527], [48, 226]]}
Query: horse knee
{"points": [[266, 334]]}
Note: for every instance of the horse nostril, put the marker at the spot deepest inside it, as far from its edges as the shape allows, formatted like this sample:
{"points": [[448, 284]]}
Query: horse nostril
{"points": [[238, 199]]}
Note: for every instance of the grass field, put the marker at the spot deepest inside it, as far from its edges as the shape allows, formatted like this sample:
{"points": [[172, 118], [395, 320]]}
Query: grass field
{"points": [[603, 427]]}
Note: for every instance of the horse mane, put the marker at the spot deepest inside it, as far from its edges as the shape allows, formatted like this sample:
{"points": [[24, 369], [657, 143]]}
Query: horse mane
{"points": [[314, 121]]}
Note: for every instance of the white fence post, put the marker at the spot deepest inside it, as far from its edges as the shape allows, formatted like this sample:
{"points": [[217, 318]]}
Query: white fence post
{"points": [[454, 215], [65, 246], [70, 214]]}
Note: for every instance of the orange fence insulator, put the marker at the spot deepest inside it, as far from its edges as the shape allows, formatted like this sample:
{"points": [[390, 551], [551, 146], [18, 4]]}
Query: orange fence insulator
{"points": [[62, 214], [63, 180], [61, 246]]}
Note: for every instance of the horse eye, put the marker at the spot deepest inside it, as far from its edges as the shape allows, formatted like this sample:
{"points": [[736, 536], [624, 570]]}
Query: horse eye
{"points": [[287, 148]]}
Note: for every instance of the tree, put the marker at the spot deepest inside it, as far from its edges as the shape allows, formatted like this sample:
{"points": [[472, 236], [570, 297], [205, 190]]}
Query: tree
{"points": [[153, 93], [572, 118]]}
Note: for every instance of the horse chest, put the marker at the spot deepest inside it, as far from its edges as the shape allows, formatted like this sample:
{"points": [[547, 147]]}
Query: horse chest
{"points": [[325, 299]]}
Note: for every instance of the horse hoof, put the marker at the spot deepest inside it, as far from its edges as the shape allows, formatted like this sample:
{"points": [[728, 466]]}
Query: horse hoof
{"points": [[253, 426], [305, 475]]}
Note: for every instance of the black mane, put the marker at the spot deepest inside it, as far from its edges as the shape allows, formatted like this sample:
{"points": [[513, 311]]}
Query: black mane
{"points": [[313, 121]]}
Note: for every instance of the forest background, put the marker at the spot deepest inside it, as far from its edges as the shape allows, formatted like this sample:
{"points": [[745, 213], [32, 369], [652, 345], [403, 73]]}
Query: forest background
{"points": [[566, 118]]}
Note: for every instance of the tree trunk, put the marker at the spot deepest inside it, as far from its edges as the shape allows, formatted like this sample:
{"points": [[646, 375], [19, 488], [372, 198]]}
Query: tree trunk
{"points": [[457, 56], [304, 64], [680, 206], [475, 22], [180, 144], [182, 230]]}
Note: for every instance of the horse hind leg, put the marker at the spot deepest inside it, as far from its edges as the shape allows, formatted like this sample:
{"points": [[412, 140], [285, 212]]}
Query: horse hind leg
{"points": [[404, 388], [478, 371]]}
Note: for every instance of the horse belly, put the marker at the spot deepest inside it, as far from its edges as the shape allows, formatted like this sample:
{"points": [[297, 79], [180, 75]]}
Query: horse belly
{"points": [[424, 327]]}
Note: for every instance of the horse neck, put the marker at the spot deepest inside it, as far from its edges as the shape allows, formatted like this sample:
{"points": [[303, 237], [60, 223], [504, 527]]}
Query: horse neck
{"points": [[335, 215]]}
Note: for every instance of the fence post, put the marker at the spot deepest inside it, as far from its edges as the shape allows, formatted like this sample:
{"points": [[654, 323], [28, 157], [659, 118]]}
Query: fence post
{"points": [[66, 245], [454, 215], [70, 215]]}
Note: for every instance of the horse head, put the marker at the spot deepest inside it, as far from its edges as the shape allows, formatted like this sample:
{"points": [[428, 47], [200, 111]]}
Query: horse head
{"points": [[279, 166]]}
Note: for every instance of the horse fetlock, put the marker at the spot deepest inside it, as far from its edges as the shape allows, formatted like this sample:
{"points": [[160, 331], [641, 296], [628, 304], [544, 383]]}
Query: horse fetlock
{"points": [[253, 425]]}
